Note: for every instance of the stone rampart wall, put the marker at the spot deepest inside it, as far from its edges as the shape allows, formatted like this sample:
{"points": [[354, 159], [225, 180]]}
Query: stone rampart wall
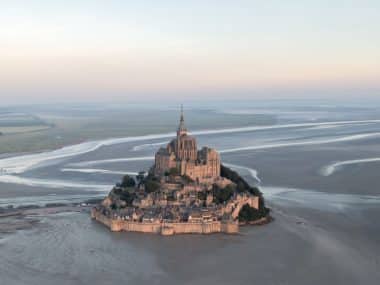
{"points": [[167, 228]]}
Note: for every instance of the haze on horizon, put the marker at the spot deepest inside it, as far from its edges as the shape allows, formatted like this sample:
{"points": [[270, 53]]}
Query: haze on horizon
{"points": [[147, 50]]}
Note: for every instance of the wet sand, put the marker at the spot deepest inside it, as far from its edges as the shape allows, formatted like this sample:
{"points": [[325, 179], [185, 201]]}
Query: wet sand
{"points": [[300, 247], [326, 228]]}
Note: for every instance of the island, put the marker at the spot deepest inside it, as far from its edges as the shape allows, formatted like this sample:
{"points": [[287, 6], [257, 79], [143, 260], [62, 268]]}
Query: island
{"points": [[186, 191]]}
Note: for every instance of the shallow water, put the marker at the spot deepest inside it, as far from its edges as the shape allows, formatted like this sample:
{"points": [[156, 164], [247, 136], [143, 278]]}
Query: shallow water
{"points": [[325, 228], [72, 249]]}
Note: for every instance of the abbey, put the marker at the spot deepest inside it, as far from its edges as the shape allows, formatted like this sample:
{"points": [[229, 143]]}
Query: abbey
{"points": [[186, 191], [202, 166]]}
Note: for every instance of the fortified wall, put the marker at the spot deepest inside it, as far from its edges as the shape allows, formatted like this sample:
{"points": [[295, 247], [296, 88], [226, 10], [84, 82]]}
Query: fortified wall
{"points": [[163, 228]]}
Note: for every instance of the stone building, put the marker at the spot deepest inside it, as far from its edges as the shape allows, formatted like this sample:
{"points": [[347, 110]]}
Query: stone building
{"points": [[182, 153]]}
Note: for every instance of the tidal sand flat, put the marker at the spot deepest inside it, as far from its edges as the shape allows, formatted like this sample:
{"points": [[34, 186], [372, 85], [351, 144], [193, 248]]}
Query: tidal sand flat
{"points": [[301, 246], [189, 142], [325, 228]]}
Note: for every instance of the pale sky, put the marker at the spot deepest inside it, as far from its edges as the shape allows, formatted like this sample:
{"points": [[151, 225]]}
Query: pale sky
{"points": [[78, 50]]}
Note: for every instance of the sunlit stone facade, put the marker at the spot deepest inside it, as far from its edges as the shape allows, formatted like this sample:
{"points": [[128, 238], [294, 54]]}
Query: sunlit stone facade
{"points": [[182, 153]]}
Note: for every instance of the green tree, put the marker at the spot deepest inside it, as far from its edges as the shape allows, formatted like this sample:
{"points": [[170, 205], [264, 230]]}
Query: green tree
{"points": [[248, 214], [173, 171], [128, 181], [127, 197], [240, 187], [151, 186], [222, 195], [140, 177]]}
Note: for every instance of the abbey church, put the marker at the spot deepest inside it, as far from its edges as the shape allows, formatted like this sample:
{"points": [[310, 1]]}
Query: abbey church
{"points": [[182, 153], [167, 202]]}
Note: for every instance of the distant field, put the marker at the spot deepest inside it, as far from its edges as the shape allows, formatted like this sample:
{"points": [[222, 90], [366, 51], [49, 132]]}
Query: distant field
{"points": [[50, 130], [22, 129], [16, 119]]}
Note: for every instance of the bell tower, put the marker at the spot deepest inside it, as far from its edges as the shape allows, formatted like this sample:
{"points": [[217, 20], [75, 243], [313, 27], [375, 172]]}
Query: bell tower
{"points": [[181, 127], [185, 146]]}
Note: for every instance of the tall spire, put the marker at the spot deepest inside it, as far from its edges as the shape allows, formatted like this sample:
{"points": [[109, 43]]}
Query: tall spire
{"points": [[181, 128], [182, 120]]}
